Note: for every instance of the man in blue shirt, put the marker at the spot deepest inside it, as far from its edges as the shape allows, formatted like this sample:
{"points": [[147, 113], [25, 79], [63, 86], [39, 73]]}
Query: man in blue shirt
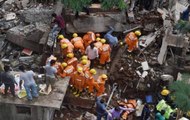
{"points": [[185, 14], [112, 40], [101, 108], [29, 82]]}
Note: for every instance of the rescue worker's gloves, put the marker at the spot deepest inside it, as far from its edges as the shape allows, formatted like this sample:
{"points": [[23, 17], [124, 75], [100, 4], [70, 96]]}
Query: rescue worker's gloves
{"points": [[104, 76], [93, 71], [70, 55], [138, 33], [98, 39], [79, 69], [84, 62], [75, 35], [64, 64], [63, 46], [84, 57], [165, 92], [103, 41]]}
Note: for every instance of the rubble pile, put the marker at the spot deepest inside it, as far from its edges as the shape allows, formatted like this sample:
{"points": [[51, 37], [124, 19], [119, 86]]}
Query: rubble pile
{"points": [[140, 70], [25, 24]]}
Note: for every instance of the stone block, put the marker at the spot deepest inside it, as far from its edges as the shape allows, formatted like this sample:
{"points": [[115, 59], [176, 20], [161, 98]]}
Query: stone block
{"points": [[10, 16], [28, 36], [36, 15]]}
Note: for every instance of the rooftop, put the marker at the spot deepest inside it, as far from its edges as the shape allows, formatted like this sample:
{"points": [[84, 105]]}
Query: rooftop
{"points": [[53, 100]]}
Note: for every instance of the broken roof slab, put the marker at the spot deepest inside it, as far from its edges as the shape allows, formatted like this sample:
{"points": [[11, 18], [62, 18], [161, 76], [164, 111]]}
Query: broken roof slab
{"points": [[53, 100]]}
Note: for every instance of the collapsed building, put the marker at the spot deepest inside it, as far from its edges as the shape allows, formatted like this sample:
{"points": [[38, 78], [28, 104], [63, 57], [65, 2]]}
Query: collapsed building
{"points": [[162, 52]]}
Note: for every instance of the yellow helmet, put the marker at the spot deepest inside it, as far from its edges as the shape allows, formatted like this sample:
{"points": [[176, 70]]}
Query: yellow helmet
{"points": [[84, 57], [75, 35], [70, 55], [84, 62], [103, 41], [60, 37], [98, 39], [165, 92], [64, 64], [63, 46], [138, 33], [104, 76], [79, 69], [188, 113], [93, 71], [121, 43]]}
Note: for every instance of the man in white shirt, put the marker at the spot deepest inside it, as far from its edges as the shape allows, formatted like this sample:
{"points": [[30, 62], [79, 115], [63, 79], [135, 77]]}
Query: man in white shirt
{"points": [[92, 53]]}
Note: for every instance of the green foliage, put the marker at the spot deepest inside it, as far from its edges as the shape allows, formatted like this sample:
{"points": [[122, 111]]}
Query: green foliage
{"points": [[183, 26], [109, 4], [182, 94], [76, 5]]}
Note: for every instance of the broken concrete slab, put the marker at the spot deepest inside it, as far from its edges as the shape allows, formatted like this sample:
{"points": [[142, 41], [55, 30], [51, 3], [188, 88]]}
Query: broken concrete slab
{"points": [[96, 22], [10, 16], [29, 36], [163, 49], [36, 15]]}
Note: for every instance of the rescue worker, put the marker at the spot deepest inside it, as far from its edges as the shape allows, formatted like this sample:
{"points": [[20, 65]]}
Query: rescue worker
{"points": [[84, 57], [68, 71], [88, 38], [105, 51], [60, 69], [66, 45], [83, 64], [67, 48], [78, 43], [90, 83], [79, 80], [71, 60], [60, 37], [98, 44], [112, 40], [131, 40], [100, 87]]}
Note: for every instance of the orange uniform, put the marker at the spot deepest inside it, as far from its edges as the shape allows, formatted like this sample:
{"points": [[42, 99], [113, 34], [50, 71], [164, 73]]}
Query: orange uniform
{"points": [[98, 45], [100, 86], [79, 80], [60, 71], [105, 51], [78, 44], [90, 83], [64, 40], [132, 41], [68, 71], [69, 48], [88, 38], [84, 67], [72, 61]]}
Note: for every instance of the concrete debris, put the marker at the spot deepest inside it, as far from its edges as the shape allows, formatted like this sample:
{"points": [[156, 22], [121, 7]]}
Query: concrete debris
{"points": [[10, 16], [89, 116], [36, 15], [28, 36]]}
